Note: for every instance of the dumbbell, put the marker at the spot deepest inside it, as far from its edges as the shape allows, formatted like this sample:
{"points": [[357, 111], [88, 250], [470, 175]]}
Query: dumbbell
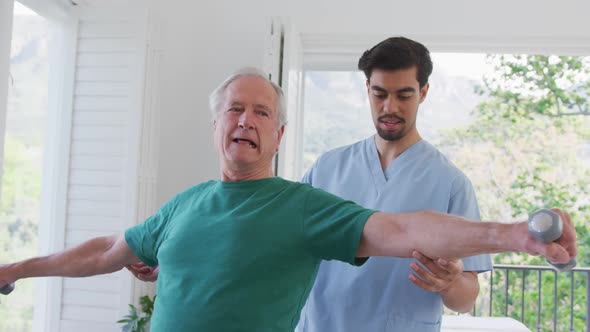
{"points": [[6, 289], [546, 225]]}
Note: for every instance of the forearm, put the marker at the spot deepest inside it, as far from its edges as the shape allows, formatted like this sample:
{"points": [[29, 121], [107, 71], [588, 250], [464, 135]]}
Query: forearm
{"points": [[89, 258], [461, 295], [453, 237], [435, 235]]}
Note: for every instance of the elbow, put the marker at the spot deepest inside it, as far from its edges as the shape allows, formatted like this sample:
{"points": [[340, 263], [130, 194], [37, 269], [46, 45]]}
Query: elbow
{"points": [[107, 259], [461, 307], [462, 299], [464, 309]]}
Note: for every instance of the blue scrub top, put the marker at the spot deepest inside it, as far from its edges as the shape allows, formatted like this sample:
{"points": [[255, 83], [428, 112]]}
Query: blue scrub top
{"points": [[379, 296]]}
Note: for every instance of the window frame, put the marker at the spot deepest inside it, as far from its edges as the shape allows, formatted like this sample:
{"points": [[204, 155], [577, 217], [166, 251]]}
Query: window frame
{"points": [[56, 150], [321, 52]]}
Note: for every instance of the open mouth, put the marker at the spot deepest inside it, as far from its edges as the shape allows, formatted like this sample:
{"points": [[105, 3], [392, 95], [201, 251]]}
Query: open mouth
{"points": [[245, 141], [391, 122]]}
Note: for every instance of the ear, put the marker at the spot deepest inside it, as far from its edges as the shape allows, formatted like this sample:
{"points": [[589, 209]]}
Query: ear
{"points": [[368, 85], [280, 135], [424, 92]]}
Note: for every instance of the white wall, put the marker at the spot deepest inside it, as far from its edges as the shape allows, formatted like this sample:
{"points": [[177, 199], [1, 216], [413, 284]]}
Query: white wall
{"points": [[202, 44], [499, 18], [205, 41]]}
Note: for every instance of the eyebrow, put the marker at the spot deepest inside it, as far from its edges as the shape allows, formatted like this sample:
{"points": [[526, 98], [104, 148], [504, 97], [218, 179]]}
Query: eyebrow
{"points": [[258, 106], [264, 107], [402, 90], [236, 103]]}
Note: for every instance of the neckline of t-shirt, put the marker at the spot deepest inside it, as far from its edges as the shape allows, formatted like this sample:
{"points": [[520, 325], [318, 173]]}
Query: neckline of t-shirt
{"points": [[247, 183]]}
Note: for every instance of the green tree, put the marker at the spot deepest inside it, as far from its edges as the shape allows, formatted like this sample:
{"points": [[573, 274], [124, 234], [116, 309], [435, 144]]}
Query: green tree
{"points": [[527, 149], [19, 215]]}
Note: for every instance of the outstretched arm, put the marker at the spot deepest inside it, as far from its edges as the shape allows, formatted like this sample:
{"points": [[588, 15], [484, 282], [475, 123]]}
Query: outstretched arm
{"points": [[97, 256], [439, 235]]}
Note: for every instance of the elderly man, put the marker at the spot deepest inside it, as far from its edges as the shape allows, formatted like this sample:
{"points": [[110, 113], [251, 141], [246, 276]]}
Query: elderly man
{"points": [[241, 253]]}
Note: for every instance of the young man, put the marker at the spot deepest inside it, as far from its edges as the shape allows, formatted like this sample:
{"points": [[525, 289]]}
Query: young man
{"points": [[393, 171], [241, 253]]}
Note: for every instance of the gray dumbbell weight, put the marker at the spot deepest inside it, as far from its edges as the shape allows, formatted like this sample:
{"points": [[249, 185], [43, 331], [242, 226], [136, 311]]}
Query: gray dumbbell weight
{"points": [[546, 225], [6, 289]]}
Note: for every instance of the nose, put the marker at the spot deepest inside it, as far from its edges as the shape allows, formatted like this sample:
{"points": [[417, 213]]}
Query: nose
{"points": [[245, 121], [390, 105]]}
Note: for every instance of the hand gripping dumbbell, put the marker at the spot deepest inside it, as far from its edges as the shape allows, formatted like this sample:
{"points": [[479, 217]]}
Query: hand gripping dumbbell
{"points": [[6, 289], [546, 225]]}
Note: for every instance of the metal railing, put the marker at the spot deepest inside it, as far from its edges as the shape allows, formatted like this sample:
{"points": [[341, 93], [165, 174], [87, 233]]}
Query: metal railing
{"points": [[522, 272]]}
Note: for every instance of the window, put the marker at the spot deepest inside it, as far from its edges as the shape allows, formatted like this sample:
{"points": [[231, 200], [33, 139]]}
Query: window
{"points": [[337, 110], [524, 142], [337, 113], [24, 145]]}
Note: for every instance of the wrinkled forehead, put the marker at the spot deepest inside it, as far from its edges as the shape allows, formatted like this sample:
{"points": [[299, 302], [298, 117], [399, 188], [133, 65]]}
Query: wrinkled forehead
{"points": [[251, 90]]}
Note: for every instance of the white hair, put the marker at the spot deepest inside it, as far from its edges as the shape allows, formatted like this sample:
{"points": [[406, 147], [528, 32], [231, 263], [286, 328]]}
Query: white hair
{"points": [[217, 96]]}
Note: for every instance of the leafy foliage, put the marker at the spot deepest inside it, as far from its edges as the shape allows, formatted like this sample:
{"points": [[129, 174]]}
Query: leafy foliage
{"points": [[537, 84], [19, 216], [528, 148], [138, 321]]}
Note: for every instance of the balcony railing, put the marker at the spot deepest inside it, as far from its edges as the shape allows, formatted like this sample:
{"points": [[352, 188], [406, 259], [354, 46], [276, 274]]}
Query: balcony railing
{"points": [[518, 284]]}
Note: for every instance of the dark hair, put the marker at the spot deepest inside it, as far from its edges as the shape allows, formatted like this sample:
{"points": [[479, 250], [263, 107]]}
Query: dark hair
{"points": [[397, 53]]}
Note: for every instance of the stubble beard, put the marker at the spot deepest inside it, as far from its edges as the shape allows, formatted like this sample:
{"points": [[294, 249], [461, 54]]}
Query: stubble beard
{"points": [[391, 136]]}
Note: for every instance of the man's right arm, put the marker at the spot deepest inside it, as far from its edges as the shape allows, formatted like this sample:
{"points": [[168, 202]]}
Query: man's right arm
{"points": [[439, 235], [97, 256]]}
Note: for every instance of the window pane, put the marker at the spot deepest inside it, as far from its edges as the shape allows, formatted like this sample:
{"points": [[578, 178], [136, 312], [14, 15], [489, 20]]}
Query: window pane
{"points": [[337, 110], [517, 125], [23, 159]]}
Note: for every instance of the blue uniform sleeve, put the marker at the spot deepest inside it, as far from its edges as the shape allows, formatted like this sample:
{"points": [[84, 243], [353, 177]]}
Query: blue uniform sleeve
{"points": [[463, 203], [307, 177]]}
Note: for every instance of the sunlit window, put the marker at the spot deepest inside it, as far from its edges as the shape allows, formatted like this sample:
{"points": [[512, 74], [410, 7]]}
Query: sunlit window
{"points": [[517, 125], [23, 158]]}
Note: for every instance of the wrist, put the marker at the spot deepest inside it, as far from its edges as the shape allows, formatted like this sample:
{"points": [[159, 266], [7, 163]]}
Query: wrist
{"points": [[450, 287], [11, 274], [505, 237]]}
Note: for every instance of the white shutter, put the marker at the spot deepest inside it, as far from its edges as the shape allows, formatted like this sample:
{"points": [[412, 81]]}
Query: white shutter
{"points": [[110, 158]]}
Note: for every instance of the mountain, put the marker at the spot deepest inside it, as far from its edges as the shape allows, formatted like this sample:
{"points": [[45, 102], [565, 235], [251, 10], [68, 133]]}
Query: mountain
{"points": [[28, 86], [337, 112]]}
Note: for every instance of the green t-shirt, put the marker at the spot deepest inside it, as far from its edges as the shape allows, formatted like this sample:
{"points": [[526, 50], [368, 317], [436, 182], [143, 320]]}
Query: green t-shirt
{"points": [[243, 256]]}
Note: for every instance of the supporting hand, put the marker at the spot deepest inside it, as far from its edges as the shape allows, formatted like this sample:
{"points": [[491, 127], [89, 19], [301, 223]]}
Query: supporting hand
{"points": [[144, 272], [441, 273]]}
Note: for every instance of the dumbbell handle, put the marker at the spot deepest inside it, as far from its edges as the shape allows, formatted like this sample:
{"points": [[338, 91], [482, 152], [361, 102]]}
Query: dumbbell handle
{"points": [[6, 289], [546, 225]]}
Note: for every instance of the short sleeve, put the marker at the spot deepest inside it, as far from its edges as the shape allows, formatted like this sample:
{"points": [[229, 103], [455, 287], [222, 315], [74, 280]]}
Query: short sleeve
{"points": [[145, 239], [464, 203], [463, 200], [333, 226]]}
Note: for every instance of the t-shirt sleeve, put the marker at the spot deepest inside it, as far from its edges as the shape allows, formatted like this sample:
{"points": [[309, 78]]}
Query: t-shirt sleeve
{"points": [[333, 226], [145, 239], [464, 203]]}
